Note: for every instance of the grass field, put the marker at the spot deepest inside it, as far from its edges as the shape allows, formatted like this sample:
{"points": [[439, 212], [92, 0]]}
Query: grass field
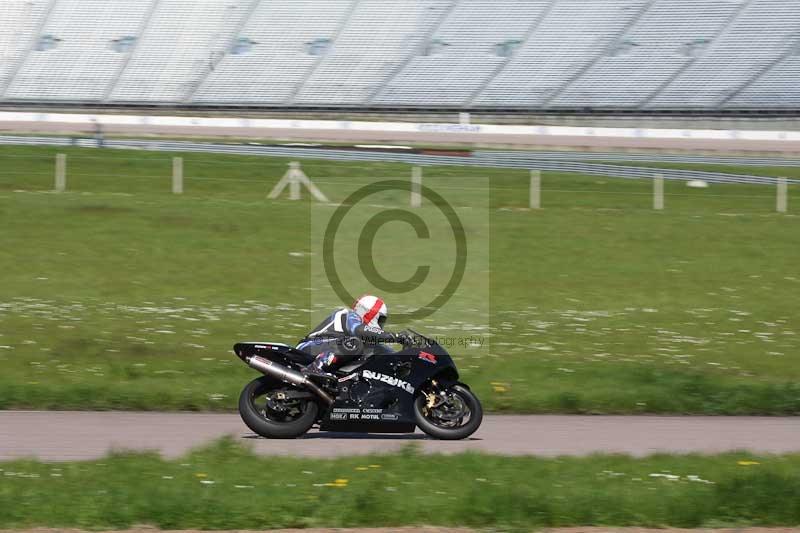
{"points": [[120, 295], [225, 487]]}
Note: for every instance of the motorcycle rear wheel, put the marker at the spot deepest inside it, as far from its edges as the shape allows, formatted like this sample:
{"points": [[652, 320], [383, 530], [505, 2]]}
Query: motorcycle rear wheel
{"points": [[447, 421], [267, 422]]}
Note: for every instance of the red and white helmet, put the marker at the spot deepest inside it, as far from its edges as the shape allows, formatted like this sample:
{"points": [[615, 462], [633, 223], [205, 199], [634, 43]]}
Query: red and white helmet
{"points": [[372, 310]]}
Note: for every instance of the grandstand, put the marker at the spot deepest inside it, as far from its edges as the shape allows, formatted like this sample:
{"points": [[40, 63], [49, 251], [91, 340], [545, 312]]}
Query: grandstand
{"points": [[533, 55]]}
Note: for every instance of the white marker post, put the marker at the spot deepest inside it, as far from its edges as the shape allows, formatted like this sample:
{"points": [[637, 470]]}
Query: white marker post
{"points": [[536, 190], [294, 181], [177, 175], [416, 186], [294, 178], [782, 201], [658, 192], [61, 173]]}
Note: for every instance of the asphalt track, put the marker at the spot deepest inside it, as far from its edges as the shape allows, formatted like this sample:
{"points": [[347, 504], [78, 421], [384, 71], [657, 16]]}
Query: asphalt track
{"points": [[65, 435]]}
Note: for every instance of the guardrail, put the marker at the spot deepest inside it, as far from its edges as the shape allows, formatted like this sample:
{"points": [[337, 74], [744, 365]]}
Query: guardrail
{"points": [[645, 158], [518, 160]]}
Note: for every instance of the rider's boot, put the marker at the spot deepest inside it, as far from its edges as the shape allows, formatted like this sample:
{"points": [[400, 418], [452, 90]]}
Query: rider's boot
{"points": [[317, 370]]}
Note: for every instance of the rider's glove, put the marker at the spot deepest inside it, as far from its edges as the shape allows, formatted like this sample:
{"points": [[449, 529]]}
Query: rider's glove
{"points": [[404, 338]]}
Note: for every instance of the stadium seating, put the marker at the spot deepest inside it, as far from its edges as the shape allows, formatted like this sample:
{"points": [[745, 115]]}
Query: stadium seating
{"points": [[378, 36], [460, 54], [72, 57], [20, 19], [278, 61], [564, 44], [182, 41], [646, 57], [763, 31], [776, 88]]}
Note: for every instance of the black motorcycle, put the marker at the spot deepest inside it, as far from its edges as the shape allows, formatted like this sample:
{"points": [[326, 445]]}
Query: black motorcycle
{"points": [[379, 392]]}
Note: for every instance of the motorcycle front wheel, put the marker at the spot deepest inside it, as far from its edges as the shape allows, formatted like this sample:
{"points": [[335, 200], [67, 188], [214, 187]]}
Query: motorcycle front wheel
{"points": [[266, 409], [451, 414]]}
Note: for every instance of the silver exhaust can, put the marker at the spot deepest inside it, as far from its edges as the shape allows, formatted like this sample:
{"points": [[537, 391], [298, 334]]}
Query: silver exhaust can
{"points": [[270, 368]]}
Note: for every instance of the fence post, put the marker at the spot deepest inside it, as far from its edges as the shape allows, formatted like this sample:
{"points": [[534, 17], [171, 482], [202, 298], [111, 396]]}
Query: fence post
{"points": [[61, 173], [177, 175], [416, 186], [536, 189], [294, 180], [782, 201], [658, 192]]}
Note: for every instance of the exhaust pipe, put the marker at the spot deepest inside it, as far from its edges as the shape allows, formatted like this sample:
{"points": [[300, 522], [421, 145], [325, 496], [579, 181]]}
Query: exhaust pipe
{"points": [[288, 375]]}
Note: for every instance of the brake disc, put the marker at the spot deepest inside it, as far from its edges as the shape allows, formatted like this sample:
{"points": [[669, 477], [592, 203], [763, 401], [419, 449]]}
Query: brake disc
{"points": [[455, 412]]}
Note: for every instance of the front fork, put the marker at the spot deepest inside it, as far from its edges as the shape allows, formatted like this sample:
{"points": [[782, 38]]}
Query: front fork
{"points": [[434, 396]]}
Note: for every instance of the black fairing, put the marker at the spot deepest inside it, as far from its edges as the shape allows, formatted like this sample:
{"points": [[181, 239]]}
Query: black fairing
{"points": [[274, 351], [376, 393]]}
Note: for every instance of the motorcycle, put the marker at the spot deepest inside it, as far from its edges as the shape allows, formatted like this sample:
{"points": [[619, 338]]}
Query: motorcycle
{"points": [[379, 392]]}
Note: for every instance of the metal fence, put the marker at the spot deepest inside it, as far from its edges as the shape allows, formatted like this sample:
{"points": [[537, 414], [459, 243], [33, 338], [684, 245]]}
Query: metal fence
{"points": [[639, 158], [544, 161]]}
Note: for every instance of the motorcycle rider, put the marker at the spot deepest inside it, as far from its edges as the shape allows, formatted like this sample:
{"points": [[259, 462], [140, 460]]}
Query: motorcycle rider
{"points": [[328, 341]]}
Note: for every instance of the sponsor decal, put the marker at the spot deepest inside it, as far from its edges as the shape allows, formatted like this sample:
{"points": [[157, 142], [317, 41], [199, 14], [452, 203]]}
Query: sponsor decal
{"points": [[429, 357], [261, 360], [340, 413], [452, 128], [389, 380], [347, 378]]}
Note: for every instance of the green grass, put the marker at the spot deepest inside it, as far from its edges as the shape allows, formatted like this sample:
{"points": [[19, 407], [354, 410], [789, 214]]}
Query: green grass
{"points": [[224, 486], [120, 295]]}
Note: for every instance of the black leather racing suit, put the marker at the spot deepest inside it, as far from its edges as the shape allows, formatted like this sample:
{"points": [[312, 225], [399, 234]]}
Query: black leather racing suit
{"points": [[325, 341]]}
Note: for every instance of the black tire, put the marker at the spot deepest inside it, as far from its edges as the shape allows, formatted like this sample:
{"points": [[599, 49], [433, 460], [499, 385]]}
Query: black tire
{"points": [[461, 432], [271, 429]]}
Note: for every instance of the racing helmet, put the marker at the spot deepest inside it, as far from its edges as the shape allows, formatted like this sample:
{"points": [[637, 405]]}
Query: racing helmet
{"points": [[372, 310]]}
